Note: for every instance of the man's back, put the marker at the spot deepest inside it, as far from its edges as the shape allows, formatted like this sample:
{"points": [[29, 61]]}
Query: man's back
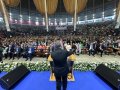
{"points": [[60, 66], [60, 58], [60, 62]]}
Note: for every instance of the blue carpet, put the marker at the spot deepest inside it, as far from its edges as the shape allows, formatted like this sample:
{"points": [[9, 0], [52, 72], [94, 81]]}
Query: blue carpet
{"points": [[40, 81]]}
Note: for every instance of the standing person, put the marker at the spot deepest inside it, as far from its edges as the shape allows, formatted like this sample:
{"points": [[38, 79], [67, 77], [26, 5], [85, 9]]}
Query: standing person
{"points": [[74, 47], [92, 49], [5, 52], [30, 53], [11, 51], [68, 47], [60, 66], [100, 48], [18, 51], [1, 53]]}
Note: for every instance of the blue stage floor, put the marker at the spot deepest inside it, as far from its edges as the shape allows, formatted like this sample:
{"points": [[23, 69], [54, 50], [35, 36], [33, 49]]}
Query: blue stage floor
{"points": [[40, 81]]}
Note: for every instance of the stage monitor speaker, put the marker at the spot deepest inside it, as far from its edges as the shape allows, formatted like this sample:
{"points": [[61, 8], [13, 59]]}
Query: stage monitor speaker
{"points": [[12, 78], [108, 75]]}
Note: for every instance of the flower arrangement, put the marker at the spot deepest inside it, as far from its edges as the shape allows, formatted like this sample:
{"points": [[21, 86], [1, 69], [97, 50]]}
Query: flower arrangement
{"points": [[45, 66]]}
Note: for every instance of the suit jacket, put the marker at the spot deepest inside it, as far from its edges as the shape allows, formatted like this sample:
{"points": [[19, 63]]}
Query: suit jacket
{"points": [[32, 50], [94, 46], [19, 50], [60, 62], [12, 49]]}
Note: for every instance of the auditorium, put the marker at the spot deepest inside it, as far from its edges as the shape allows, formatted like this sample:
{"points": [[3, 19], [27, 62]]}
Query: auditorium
{"points": [[59, 45]]}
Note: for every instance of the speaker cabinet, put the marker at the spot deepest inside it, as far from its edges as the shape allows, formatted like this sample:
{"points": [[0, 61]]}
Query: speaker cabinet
{"points": [[108, 75], [12, 78]]}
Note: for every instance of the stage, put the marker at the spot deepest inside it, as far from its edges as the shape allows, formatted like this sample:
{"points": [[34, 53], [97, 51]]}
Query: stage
{"points": [[40, 81], [85, 78]]}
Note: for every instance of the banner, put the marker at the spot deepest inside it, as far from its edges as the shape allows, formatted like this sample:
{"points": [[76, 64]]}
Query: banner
{"points": [[61, 28]]}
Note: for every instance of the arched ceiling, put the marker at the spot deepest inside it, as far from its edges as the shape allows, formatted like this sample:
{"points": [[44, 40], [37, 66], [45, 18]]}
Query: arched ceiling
{"points": [[61, 8]]}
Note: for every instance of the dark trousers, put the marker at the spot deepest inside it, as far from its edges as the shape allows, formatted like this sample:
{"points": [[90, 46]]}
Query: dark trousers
{"points": [[29, 56], [18, 55], [0, 59], [101, 52], [61, 81], [91, 52], [6, 55], [11, 55], [70, 64]]}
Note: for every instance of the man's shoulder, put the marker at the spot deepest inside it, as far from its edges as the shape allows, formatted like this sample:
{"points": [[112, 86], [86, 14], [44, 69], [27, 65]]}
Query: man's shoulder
{"points": [[57, 51]]}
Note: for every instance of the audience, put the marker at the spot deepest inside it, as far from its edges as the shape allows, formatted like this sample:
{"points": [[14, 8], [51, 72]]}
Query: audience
{"points": [[27, 43]]}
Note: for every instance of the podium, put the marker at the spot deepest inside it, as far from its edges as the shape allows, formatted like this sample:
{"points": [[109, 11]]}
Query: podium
{"points": [[70, 77], [71, 60]]}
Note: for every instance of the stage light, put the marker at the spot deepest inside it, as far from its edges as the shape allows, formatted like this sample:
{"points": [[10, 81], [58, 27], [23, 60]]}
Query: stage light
{"points": [[36, 18], [66, 20], [11, 19], [93, 16], [72, 20], [29, 21], [37, 23], [10, 14], [114, 10], [29, 17], [20, 15], [60, 21], [86, 17], [15, 21], [51, 23], [55, 22], [43, 19], [21, 20], [1, 19], [43, 23], [103, 14]]}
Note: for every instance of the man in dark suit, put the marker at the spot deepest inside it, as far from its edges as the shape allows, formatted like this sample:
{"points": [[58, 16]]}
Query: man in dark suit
{"points": [[30, 53], [11, 51], [91, 48], [18, 51], [100, 48], [60, 66]]}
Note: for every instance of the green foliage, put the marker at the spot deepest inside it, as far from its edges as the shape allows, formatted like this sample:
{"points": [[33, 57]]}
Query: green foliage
{"points": [[44, 66]]}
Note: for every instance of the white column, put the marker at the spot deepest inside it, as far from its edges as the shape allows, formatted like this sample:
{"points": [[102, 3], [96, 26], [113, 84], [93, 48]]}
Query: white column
{"points": [[4, 12], [46, 16], [118, 21], [75, 15]]}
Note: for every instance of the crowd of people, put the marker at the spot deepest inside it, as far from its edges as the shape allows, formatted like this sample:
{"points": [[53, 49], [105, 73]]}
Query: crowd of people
{"points": [[94, 29], [27, 47], [98, 29], [90, 39]]}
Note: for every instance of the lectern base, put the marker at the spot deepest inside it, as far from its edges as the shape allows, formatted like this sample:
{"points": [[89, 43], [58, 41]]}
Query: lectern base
{"points": [[70, 77]]}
